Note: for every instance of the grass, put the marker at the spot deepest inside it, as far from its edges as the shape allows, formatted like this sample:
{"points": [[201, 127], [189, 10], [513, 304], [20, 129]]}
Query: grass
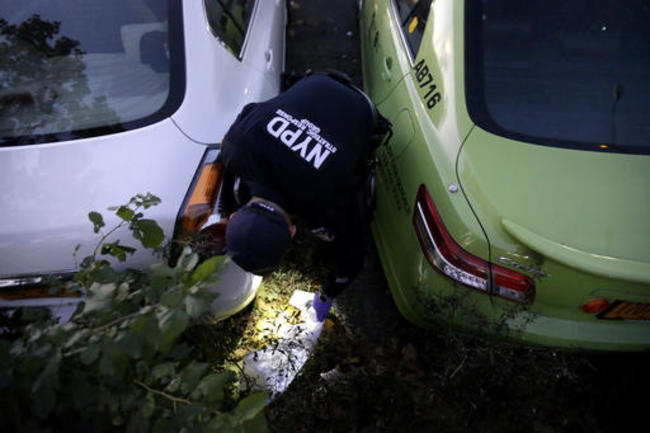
{"points": [[404, 378]]}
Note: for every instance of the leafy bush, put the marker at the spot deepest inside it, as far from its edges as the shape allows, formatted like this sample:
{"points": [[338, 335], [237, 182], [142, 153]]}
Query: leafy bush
{"points": [[122, 363]]}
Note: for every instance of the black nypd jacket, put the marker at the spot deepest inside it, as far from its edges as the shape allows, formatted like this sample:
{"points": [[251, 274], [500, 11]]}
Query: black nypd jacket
{"points": [[304, 150]]}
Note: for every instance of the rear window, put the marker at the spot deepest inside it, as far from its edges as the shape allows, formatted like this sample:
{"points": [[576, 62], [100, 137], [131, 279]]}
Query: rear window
{"points": [[79, 68], [575, 74]]}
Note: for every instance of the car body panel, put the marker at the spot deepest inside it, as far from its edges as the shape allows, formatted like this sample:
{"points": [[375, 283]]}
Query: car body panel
{"points": [[382, 49], [265, 49], [510, 205], [56, 185], [598, 264], [558, 185], [240, 81], [423, 149], [49, 189], [603, 254]]}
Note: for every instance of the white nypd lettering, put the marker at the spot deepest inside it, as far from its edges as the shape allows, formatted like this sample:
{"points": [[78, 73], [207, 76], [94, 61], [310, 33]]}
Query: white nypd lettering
{"points": [[289, 137], [313, 148], [302, 147], [276, 126], [318, 155]]}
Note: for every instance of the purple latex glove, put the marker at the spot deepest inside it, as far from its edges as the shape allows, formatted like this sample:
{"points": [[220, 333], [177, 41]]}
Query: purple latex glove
{"points": [[322, 305]]}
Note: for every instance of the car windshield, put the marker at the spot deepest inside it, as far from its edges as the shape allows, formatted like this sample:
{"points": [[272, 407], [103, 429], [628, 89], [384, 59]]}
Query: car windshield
{"points": [[572, 74], [80, 68]]}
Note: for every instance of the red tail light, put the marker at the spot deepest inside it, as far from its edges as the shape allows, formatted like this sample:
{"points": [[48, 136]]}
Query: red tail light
{"points": [[450, 259]]}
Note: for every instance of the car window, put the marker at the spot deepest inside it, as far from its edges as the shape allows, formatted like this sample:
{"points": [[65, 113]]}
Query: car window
{"points": [[413, 19], [229, 21], [575, 75], [78, 68]]}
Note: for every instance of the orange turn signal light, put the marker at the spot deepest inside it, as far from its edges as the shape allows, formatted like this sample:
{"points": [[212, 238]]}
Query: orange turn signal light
{"points": [[595, 306], [202, 199]]}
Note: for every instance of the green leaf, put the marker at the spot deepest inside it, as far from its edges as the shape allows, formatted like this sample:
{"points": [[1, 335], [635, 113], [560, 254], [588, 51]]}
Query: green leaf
{"points": [[75, 338], [113, 361], [90, 354], [162, 277], [148, 232], [251, 406], [147, 200], [172, 298], [99, 297], [133, 344], [207, 269], [163, 371], [256, 425], [188, 260], [116, 250], [97, 220], [55, 284], [195, 306], [148, 406], [101, 273], [86, 263], [125, 213], [172, 323], [180, 352], [211, 389], [191, 375], [152, 332], [49, 377], [223, 422]]}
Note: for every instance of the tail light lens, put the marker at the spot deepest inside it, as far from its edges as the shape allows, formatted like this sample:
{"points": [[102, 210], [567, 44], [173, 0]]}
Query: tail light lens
{"points": [[200, 200], [33, 287], [450, 259], [36, 292], [595, 306]]}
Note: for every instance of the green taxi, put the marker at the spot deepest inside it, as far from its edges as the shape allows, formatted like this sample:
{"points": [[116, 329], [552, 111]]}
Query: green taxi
{"points": [[515, 189]]}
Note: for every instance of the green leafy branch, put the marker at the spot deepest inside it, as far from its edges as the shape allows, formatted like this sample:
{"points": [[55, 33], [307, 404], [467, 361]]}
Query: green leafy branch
{"points": [[123, 363]]}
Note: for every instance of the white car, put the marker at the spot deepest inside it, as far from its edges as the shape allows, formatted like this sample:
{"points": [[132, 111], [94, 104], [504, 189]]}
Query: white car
{"points": [[107, 99]]}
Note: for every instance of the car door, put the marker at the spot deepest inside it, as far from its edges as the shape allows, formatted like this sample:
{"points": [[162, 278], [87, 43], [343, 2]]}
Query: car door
{"points": [[385, 61], [265, 48], [253, 31], [427, 136], [399, 102], [234, 55]]}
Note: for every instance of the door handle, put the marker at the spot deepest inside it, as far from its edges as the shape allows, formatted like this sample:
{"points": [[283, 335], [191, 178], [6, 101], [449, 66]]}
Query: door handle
{"points": [[387, 73], [268, 56]]}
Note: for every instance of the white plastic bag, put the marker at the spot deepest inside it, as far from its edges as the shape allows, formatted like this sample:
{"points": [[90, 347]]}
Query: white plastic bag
{"points": [[274, 367]]}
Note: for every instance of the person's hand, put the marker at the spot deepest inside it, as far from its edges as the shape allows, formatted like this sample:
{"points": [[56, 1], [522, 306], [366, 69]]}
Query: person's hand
{"points": [[321, 305]]}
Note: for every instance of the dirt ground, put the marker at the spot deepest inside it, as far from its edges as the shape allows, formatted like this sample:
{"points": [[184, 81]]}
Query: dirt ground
{"points": [[374, 372]]}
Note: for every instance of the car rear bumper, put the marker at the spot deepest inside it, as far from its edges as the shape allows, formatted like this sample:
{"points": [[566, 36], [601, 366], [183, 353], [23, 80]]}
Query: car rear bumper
{"points": [[425, 298]]}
